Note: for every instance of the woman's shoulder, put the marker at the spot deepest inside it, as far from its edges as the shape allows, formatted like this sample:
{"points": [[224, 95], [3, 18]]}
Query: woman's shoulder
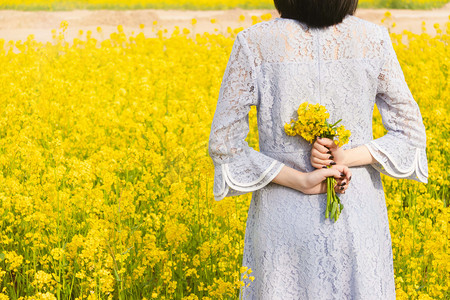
{"points": [[368, 26], [258, 28], [277, 26]]}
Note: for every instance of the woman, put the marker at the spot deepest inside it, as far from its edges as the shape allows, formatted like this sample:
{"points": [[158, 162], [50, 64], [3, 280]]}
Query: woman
{"points": [[317, 51]]}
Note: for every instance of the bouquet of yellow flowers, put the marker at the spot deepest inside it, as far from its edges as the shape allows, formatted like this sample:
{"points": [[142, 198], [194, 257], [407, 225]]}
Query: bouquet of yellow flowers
{"points": [[312, 123]]}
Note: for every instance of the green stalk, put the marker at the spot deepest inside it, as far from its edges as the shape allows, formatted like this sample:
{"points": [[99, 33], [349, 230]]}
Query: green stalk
{"points": [[336, 123], [328, 198], [334, 205]]}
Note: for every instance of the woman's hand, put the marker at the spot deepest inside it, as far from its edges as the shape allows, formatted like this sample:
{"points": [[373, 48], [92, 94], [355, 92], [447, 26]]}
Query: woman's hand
{"points": [[315, 181], [326, 153]]}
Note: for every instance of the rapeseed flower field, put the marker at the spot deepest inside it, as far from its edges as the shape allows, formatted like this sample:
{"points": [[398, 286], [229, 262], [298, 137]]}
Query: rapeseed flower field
{"points": [[195, 4], [106, 182]]}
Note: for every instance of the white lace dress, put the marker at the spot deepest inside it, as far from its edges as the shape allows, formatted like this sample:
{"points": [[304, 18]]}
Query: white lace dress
{"points": [[294, 252]]}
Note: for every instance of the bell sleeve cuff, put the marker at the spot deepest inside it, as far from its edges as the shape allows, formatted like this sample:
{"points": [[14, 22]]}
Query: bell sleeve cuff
{"points": [[407, 161], [247, 173]]}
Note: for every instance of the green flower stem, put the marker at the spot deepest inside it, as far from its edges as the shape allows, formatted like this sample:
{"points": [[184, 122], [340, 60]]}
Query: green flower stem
{"points": [[327, 212], [334, 205]]}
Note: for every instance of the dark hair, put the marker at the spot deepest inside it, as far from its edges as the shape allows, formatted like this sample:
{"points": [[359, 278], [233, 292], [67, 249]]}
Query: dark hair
{"points": [[316, 13]]}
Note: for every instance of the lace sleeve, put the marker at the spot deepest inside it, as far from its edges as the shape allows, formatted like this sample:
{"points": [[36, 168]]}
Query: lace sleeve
{"points": [[238, 168], [401, 153]]}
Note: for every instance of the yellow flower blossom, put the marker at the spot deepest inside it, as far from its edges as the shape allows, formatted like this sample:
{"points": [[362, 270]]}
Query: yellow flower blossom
{"points": [[98, 139]]}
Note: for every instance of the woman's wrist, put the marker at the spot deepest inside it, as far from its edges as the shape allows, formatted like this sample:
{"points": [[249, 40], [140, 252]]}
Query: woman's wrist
{"points": [[345, 159], [359, 156], [290, 177]]}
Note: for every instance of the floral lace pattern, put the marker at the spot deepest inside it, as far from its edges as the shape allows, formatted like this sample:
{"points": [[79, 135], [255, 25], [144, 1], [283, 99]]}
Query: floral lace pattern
{"points": [[294, 252]]}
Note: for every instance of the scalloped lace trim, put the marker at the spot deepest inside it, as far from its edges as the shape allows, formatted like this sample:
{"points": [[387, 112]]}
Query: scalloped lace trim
{"points": [[228, 181], [397, 171]]}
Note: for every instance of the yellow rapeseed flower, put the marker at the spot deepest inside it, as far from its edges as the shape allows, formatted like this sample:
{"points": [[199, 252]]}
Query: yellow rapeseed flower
{"points": [[98, 142]]}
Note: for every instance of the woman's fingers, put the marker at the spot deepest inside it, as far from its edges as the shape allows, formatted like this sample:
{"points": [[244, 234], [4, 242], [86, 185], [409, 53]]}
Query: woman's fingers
{"points": [[341, 182], [321, 155], [339, 190], [341, 186], [348, 173], [324, 156], [319, 159], [315, 182], [319, 163], [321, 148], [326, 142], [332, 172], [344, 170], [342, 179]]}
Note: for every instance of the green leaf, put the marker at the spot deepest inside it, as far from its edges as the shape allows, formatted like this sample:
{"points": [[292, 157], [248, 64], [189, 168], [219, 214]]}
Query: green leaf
{"points": [[333, 208]]}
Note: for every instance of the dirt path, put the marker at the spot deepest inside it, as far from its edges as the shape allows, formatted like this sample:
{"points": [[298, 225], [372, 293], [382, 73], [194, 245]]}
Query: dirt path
{"points": [[17, 25]]}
